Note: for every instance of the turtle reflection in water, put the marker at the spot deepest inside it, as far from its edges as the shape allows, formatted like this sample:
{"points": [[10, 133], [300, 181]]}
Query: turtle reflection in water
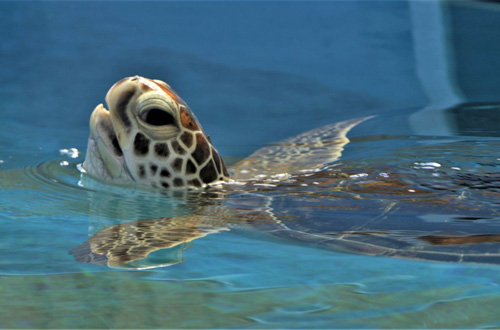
{"points": [[150, 137]]}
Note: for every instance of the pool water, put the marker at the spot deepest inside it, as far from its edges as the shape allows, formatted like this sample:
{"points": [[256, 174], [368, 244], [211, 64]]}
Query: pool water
{"points": [[255, 73]]}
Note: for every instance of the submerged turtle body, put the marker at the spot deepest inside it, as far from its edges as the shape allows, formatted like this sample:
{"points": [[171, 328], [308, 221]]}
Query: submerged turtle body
{"points": [[150, 137]]}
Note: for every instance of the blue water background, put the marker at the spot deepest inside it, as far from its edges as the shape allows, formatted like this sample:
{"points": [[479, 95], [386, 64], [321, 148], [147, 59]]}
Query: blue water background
{"points": [[253, 73]]}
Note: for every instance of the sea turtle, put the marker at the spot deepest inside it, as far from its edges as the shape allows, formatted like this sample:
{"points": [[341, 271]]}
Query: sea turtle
{"points": [[151, 138]]}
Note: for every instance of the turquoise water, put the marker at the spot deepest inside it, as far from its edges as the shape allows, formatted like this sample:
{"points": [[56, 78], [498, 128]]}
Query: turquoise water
{"points": [[253, 77]]}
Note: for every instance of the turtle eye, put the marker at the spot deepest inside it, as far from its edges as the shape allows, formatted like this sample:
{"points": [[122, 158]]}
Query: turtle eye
{"points": [[157, 117]]}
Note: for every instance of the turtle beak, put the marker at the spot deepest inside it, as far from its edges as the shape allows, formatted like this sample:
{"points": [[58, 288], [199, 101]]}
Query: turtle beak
{"points": [[99, 116], [104, 155]]}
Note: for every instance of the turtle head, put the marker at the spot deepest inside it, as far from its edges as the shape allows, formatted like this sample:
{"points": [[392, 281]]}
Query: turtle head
{"points": [[150, 136]]}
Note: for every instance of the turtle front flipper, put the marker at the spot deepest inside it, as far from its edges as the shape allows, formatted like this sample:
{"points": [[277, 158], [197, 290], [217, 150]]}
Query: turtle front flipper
{"points": [[129, 244], [131, 241], [307, 152]]}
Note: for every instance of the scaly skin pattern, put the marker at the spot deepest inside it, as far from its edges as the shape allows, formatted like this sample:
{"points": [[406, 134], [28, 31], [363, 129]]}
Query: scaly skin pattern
{"points": [[151, 137]]}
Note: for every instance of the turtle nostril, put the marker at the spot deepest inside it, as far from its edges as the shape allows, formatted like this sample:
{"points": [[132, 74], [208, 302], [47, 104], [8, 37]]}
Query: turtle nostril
{"points": [[116, 146]]}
